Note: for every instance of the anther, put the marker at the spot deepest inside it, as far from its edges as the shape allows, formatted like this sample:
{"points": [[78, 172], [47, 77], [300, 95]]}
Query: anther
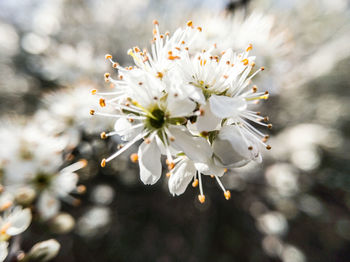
{"points": [[189, 23], [102, 102], [227, 194], [225, 170], [195, 183], [147, 140], [171, 166], [108, 56], [201, 198], [245, 62], [255, 89], [199, 29], [115, 65], [250, 148], [258, 113], [134, 157], [268, 147], [93, 91], [92, 112], [262, 68], [81, 189], [172, 139], [103, 135], [168, 174], [155, 22], [269, 126], [266, 118], [212, 176], [160, 75], [250, 47], [103, 162], [140, 83]]}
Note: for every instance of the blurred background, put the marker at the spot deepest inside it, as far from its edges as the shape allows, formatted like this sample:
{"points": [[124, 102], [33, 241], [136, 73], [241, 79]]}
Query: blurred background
{"points": [[294, 207]]}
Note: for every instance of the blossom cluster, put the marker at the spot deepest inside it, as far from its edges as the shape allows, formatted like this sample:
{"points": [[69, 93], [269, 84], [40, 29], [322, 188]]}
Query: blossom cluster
{"points": [[194, 108]]}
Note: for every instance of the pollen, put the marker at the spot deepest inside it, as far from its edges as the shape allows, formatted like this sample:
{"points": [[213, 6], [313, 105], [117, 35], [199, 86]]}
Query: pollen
{"points": [[103, 162], [245, 62], [102, 102], [81, 189], [134, 157], [103, 135], [201, 198], [195, 183], [250, 47], [227, 194]]}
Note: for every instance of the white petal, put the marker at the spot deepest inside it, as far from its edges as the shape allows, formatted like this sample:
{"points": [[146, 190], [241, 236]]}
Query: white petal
{"points": [[180, 108], [48, 205], [230, 149], [224, 106], [64, 183], [181, 177], [149, 162], [125, 130], [196, 148], [3, 250], [207, 122], [20, 220], [210, 168]]}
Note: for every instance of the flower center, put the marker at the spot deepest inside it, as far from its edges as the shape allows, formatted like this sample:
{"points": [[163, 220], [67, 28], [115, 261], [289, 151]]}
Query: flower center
{"points": [[42, 180], [157, 121]]}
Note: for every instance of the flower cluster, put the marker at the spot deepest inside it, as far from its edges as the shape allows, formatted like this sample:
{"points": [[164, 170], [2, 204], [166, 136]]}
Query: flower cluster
{"points": [[195, 108]]}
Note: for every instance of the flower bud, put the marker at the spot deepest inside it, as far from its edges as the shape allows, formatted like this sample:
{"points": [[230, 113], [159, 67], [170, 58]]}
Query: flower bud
{"points": [[44, 251], [62, 223]]}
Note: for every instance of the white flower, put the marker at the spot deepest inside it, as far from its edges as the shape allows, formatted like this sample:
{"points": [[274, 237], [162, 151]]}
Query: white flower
{"points": [[44, 251], [34, 160], [149, 112], [165, 50], [13, 221]]}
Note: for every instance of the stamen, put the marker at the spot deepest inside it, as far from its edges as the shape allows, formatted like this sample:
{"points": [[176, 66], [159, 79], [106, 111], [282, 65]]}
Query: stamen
{"points": [[134, 157], [201, 197]]}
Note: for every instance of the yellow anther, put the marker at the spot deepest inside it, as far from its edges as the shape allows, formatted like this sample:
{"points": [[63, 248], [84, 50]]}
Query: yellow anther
{"points": [[269, 126], [159, 75], [108, 56], [155, 22], [201, 198], [250, 47], [189, 23], [83, 162], [93, 91], [92, 112], [212, 176], [254, 89], [195, 183], [115, 65], [227, 194], [103, 162], [134, 157], [225, 170], [172, 139], [102, 102], [262, 68], [171, 166], [81, 189], [171, 57], [199, 29], [245, 62], [103, 135], [168, 174]]}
